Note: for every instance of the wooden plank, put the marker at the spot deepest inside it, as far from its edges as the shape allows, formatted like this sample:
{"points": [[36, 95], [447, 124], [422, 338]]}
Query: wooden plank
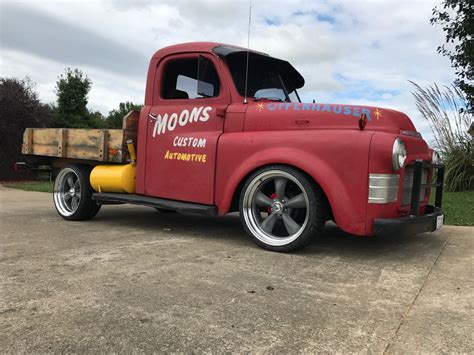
{"points": [[88, 144], [29, 141], [62, 137], [116, 145], [46, 136], [45, 150], [130, 121], [103, 142], [87, 153], [80, 137], [130, 126], [24, 143], [130, 131]]}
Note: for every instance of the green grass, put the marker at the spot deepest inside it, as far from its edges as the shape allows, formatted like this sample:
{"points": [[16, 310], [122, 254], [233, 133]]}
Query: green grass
{"points": [[40, 186], [458, 206]]}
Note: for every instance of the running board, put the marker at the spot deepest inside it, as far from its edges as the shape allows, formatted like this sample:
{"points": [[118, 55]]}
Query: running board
{"points": [[186, 207]]}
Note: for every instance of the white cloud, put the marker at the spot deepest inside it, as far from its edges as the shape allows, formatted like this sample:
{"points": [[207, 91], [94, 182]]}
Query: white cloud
{"points": [[107, 89], [375, 46]]}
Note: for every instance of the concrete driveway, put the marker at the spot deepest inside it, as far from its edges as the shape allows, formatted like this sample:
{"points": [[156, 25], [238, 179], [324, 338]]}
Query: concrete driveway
{"points": [[136, 280]]}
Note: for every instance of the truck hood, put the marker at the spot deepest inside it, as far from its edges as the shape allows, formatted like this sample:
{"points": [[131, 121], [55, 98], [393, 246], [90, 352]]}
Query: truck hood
{"points": [[274, 116]]}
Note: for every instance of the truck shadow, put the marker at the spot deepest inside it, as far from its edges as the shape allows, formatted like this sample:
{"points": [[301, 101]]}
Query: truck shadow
{"points": [[228, 229]]}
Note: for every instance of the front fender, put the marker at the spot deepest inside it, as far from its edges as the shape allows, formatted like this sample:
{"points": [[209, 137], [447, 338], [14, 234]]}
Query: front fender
{"points": [[336, 160]]}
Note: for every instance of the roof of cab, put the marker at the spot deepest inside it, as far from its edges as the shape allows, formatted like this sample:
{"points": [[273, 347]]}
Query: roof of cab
{"points": [[223, 50], [194, 47]]}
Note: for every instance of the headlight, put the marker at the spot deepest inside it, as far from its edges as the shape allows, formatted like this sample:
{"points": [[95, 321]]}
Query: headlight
{"points": [[399, 154], [435, 157]]}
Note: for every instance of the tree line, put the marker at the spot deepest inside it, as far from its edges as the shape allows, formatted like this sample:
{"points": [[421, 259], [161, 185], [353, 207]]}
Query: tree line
{"points": [[70, 109], [21, 108]]}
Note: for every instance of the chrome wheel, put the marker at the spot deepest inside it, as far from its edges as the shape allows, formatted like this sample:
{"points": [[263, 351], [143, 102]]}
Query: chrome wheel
{"points": [[275, 207], [67, 192]]}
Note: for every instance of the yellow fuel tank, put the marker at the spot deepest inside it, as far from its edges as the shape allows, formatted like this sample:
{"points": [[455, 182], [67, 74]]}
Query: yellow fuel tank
{"points": [[113, 178]]}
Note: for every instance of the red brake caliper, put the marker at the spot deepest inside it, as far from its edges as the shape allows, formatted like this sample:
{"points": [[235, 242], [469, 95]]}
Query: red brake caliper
{"points": [[272, 196]]}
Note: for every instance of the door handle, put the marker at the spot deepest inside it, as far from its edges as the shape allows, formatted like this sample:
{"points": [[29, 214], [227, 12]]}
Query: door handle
{"points": [[153, 116]]}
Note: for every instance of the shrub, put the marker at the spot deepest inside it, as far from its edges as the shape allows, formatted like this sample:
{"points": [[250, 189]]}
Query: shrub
{"points": [[21, 108]]}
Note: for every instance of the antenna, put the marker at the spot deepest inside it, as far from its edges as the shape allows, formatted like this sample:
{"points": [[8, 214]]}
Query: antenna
{"points": [[248, 53]]}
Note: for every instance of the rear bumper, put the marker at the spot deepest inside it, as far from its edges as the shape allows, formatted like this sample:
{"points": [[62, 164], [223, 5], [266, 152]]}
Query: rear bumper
{"points": [[409, 225]]}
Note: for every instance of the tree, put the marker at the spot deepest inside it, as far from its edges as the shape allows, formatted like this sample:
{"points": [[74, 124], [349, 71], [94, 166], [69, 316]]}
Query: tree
{"points": [[449, 121], [72, 89], [114, 119], [21, 108], [97, 120], [457, 21]]}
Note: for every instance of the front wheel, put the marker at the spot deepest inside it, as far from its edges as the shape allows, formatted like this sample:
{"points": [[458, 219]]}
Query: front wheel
{"points": [[73, 193], [281, 209]]}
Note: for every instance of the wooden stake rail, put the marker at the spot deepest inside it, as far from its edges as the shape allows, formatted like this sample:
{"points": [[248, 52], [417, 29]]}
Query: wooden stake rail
{"points": [[106, 145]]}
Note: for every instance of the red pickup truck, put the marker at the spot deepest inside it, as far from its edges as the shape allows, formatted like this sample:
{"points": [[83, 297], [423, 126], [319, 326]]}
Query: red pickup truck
{"points": [[211, 139]]}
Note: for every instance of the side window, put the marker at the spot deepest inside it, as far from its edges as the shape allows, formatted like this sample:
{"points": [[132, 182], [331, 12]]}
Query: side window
{"points": [[293, 96], [191, 78]]}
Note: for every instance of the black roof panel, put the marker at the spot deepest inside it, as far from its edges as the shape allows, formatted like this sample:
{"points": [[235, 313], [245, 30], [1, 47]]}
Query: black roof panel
{"points": [[292, 76], [224, 50]]}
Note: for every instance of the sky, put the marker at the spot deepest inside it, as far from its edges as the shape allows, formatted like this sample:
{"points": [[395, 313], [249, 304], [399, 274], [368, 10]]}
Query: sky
{"points": [[350, 52]]}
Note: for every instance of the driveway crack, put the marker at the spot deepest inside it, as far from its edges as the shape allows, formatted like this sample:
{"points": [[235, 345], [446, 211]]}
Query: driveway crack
{"points": [[410, 306]]}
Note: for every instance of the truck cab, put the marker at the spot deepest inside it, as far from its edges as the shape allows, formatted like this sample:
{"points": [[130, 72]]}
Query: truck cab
{"points": [[223, 129]]}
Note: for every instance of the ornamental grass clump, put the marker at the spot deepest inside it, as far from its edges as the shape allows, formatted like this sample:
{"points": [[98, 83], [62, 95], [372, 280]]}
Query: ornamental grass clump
{"points": [[450, 120]]}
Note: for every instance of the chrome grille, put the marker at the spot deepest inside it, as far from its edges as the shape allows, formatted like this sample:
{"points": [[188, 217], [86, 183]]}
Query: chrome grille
{"points": [[408, 184]]}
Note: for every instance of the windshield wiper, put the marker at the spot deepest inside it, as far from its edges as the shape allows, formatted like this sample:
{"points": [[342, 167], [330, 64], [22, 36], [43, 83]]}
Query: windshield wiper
{"points": [[284, 88]]}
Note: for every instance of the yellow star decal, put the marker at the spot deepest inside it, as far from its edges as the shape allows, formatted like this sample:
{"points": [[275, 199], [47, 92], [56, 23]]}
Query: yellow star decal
{"points": [[378, 113], [260, 107]]}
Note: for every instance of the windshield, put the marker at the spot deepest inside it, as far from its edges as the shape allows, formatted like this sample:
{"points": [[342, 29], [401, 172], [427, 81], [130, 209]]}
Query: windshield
{"points": [[265, 78]]}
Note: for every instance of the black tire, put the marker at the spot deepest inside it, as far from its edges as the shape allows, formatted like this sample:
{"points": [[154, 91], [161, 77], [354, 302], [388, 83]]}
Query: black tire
{"points": [[295, 209], [72, 194]]}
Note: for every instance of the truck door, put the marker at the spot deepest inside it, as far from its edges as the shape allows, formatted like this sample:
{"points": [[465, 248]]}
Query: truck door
{"points": [[183, 128]]}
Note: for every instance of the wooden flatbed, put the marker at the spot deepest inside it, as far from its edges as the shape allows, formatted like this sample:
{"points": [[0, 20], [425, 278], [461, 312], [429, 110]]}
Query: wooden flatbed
{"points": [[102, 145]]}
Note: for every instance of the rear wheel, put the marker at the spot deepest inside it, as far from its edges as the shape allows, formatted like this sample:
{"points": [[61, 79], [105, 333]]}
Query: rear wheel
{"points": [[73, 193], [281, 209]]}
